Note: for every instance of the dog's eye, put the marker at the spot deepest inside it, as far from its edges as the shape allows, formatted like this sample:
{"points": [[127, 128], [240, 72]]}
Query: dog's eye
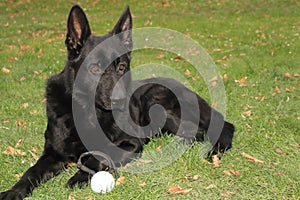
{"points": [[95, 69], [121, 67]]}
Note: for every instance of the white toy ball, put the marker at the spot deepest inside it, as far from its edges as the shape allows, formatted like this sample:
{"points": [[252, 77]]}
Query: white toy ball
{"points": [[102, 182]]}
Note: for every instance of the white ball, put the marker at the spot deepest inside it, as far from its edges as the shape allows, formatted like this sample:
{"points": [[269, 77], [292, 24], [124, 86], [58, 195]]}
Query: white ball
{"points": [[102, 182]]}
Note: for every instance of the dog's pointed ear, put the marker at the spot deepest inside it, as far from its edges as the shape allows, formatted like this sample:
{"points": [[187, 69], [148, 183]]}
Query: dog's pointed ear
{"points": [[124, 26], [78, 31]]}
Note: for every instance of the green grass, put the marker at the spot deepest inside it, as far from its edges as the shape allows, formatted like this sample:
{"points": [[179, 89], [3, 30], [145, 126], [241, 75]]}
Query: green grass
{"points": [[261, 40]]}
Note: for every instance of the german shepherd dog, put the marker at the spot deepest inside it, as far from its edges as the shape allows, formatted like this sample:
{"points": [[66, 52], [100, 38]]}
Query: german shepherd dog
{"points": [[69, 130]]}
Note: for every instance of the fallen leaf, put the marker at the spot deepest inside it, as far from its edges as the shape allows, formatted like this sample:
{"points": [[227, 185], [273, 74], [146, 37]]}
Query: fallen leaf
{"points": [[247, 113], [179, 190], [247, 107], [225, 77], [120, 180], [35, 157], [252, 159], [196, 177], [160, 56], [44, 100], [13, 152], [20, 141], [211, 186], [248, 127], [215, 161], [287, 75], [279, 151], [21, 123], [12, 59], [22, 78], [5, 70], [25, 105], [36, 72], [165, 4], [226, 194], [260, 98], [71, 197], [159, 148], [143, 184], [177, 58], [90, 197], [242, 82], [231, 172], [277, 89], [34, 112], [279, 174], [19, 175], [187, 72]]}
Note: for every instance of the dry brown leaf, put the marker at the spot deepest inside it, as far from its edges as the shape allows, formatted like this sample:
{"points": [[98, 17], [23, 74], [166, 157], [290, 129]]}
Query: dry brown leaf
{"points": [[252, 159], [215, 161], [211, 186], [25, 105], [179, 190], [143, 184], [279, 151], [13, 152], [287, 75], [260, 98], [159, 148], [5, 70], [187, 72], [225, 77], [248, 127], [279, 174], [120, 180], [21, 123], [226, 194], [12, 59], [178, 58], [23, 78], [231, 172], [90, 197], [196, 177], [160, 56], [214, 104], [44, 100], [71, 197], [242, 82], [19, 175], [277, 89], [247, 113], [35, 157], [36, 72], [20, 141]]}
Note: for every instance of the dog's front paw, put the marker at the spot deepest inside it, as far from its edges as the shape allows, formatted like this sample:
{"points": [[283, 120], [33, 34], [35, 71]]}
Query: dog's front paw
{"points": [[10, 195], [80, 179]]}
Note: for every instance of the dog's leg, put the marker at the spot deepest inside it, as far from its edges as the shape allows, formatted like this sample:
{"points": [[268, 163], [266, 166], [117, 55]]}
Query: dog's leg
{"points": [[81, 178], [45, 168]]}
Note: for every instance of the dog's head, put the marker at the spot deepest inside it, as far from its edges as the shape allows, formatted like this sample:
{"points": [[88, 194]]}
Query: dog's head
{"points": [[97, 64]]}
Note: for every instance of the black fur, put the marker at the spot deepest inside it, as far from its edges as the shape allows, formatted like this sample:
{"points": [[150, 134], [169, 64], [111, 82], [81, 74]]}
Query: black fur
{"points": [[63, 143]]}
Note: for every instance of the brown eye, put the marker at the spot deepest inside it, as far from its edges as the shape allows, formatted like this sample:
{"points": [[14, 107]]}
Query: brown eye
{"points": [[121, 67]]}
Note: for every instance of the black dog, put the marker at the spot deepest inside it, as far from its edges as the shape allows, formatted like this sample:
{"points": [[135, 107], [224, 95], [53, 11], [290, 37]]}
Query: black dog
{"points": [[71, 104]]}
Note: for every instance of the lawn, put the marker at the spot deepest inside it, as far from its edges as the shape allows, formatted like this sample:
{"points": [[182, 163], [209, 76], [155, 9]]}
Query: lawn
{"points": [[255, 45]]}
